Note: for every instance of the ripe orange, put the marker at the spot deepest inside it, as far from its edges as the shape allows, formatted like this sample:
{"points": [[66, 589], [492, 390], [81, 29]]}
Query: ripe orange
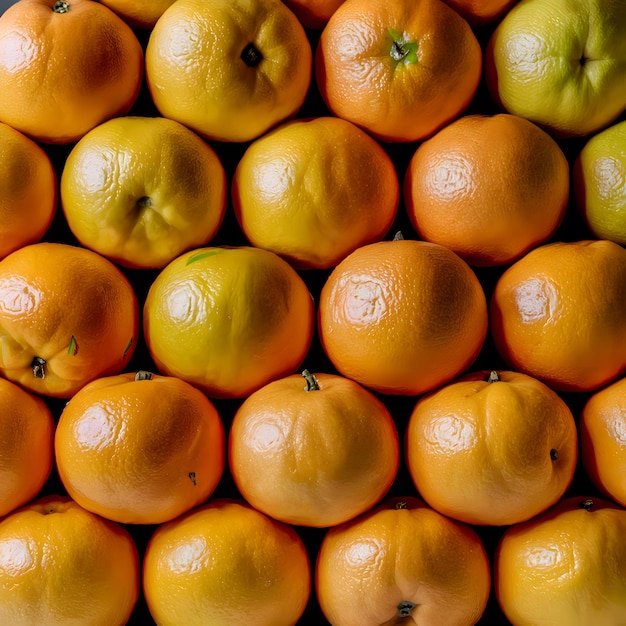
{"points": [[28, 182], [402, 316], [481, 12], [138, 13], [488, 187], [314, 190], [565, 567], [226, 563], [603, 439], [142, 190], [228, 319], [314, 453], [228, 69], [492, 448], [313, 13], [60, 564], [402, 563], [401, 70], [26, 445], [66, 66], [67, 316], [559, 314], [139, 449]]}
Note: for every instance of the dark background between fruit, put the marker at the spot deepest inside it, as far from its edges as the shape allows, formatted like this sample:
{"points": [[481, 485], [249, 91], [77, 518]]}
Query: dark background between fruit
{"points": [[571, 229]]}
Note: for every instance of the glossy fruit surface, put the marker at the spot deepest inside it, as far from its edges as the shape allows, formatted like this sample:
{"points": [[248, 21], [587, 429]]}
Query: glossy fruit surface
{"points": [[313, 450], [603, 440], [400, 70], [61, 564], [565, 567], [402, 563], [28, 184], [26, 445], [481, 12], [599, 183], [490, 188], [492, 448], [67, 316], [402, 316], [138, 448], [66, 66], [229, 70], [226, 563], [138, 13], [314, 190], [142, 190], [228, 319], [558, 314]]}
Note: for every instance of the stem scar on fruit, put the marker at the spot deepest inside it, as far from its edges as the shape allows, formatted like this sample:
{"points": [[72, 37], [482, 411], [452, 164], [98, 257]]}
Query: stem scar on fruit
{"points": [[586, 504], [402, 50], [251, 55], [311, 381], [192, 477], [38, 365], [61, 6], [143, 375]]}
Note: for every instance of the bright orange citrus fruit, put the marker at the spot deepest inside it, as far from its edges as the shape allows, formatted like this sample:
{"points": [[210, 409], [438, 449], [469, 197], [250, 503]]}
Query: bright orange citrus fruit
{"points": [[139, 13], [313, 13]]}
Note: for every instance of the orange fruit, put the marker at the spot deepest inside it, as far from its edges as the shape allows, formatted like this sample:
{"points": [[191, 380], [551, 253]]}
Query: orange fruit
{"points": [[228, 319], [228, 69], [139, 449], [60, 564], [142, 190], [315, 453], [313, 13], [603, 439], [139, 13], [481, 12], [488, 187], [26, 445], [400, 70], [492, 448], [67, 316], [28, 190], [402, 316], [313, 190], [402, 563], [66, 66], [599, 183], [559, 314], [564, 567], [226, 563]]}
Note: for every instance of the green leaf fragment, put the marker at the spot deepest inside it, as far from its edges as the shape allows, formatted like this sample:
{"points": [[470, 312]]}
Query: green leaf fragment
{"points": [[73, 347], [201, 255], [127, 348]]}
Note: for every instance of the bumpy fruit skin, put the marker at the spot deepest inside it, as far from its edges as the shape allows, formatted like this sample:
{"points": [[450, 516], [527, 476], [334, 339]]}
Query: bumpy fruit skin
{"points": [[402, 562], [560, 64], [60, 563], [565, 566]]}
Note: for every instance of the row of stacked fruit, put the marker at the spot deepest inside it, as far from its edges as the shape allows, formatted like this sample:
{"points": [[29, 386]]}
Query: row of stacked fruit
{"points": [[312, 312]]}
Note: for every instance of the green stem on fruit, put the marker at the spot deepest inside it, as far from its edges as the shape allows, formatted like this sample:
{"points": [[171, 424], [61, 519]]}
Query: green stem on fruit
{"points": [[61, 6], [587, 504], [38, 365], [143, 375], [402, 50], [493, 377], [311, 381]]}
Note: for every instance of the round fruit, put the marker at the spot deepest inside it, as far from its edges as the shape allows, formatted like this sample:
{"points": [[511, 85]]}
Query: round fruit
{"points": [[61, 564], [493, 448], [481, 12], [142, 190], [65, 67], [603, 439], [138, 13], [228, 69], [559, 314], [139, 449], [565, 567], [560, 64], [314, 190], [26, 445], [490, 188], [313, 454], [599, 183], [402, 563], [313, 13], [228, 319], [401, 70], [28, 182], [67, 316], [402, 316], [226, 563]]}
